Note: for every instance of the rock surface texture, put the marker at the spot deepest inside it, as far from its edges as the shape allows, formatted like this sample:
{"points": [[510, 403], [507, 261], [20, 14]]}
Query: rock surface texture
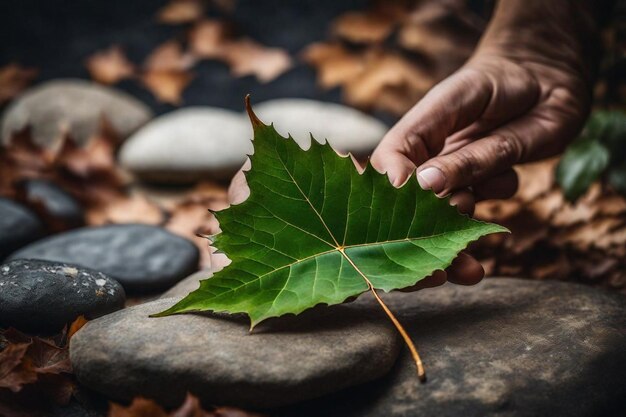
{"points": [[18, 227], [506, 347], [187, 285], [127, 354], [189, 144], [74, 105], [42, 297], [142, 258], [347, 129]]}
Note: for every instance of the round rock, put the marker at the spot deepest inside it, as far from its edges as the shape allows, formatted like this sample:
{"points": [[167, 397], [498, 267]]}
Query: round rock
{"points": [[189, 144], [142, 258], [61, 209], [217, 358], [18, 227], [42, 297], [73, 104], [505, 347], [345, 128]]}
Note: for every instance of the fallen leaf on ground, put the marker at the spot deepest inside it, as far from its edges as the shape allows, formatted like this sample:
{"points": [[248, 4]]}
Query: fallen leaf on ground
{"points": [[208, 37], [35, 362], [191, 407], [167, 86], [15, 370], [181, 11], [248, 57], [535, 179], [110, 66], [76, 326], [389, 82], [335, 64], [169, 56], [372, 26], [135, 208], [13, 79]]}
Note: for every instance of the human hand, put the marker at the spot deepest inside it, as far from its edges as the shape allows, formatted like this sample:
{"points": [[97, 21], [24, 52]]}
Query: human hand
{"points": [[523, 96]]}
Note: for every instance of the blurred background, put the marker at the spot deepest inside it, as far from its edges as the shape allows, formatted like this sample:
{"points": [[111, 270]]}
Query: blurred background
{"points": [[134, 110]]}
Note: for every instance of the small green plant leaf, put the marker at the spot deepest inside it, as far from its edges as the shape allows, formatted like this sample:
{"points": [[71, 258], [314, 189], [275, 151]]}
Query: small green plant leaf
{"points": [[314, 230], [582, 163]]}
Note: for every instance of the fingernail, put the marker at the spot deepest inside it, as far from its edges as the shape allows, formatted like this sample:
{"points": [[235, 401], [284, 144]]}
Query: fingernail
{"points": [[431, 179]]}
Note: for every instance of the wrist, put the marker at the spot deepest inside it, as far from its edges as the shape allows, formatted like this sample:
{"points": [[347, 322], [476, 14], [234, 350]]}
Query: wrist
{"points": [[560, 33]]}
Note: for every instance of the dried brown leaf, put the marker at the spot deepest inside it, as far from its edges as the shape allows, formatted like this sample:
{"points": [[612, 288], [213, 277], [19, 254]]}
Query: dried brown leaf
{"points": [[136, 208], [497, 210], [15, 368], [13, 79], [248, 57], [389, 82], [535, 179], [548, 205], [208, 38], [167, 86], [181, 11], [76, 326], [169, 56], [140, 407], [190, 219], [365, 26], [110, 66], [334, 63]]}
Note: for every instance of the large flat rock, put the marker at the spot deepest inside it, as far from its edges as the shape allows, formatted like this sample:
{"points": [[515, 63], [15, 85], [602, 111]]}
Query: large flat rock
{"points": [[506, 347], [290, 359]]}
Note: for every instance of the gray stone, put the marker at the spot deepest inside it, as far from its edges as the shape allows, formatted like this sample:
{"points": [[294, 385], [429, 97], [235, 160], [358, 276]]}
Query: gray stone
{"points": [[142, 258], [73, 104], [62, 211], [187, 285], [345, 128], [506, 347], [42, 297], [18, 227], [216, 358], [187, 145]]}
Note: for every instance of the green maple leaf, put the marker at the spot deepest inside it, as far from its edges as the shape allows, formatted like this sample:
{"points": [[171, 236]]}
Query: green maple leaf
{"points": [[314, 230]]}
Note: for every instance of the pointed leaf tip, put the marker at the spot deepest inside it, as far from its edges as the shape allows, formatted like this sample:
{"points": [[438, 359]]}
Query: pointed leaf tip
{"points": [[256, 122]]}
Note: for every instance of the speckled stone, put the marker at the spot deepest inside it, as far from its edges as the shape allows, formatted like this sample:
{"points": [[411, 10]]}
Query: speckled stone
{"points": [[142, 258], [128, 354], [42, 297], [506, 348], [18, 227], [72, 104]]}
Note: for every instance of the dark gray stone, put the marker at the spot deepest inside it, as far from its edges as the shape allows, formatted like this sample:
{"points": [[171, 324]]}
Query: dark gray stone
{"points": [[42, 297], [75, 105], [18, 227], [216, 358], [142, 258], [187, 285], [62, 210], [506, 347]]}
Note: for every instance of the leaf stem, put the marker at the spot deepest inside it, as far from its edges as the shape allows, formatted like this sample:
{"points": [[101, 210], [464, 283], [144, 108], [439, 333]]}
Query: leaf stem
{"points": [[421, 373]]}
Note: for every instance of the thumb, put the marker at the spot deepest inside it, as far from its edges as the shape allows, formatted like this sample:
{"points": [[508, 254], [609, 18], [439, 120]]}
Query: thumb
{"points": [[470, 164]]}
